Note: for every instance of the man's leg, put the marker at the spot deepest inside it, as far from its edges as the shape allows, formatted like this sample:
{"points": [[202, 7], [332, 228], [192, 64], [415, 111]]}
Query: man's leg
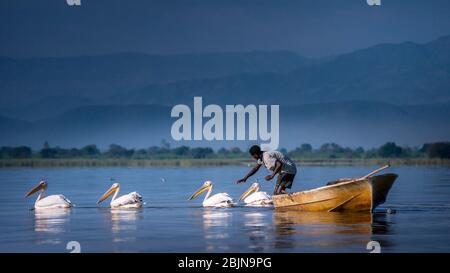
{"points": [[288, 180], [277, 189], [280, 188], [283, 190]]}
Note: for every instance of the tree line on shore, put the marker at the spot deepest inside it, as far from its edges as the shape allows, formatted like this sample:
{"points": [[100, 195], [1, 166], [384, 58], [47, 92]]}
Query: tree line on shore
{"points": [[164, 151]]}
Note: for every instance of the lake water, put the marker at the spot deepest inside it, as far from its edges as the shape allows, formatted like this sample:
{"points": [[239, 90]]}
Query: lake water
{"points": [[170, 223]]}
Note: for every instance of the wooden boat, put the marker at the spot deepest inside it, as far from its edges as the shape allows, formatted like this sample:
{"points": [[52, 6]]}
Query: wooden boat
{"points": [[358, 194]]}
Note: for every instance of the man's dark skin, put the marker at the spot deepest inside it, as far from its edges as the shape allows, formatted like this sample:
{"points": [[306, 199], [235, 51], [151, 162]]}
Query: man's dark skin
{"points": [[269, 177]]}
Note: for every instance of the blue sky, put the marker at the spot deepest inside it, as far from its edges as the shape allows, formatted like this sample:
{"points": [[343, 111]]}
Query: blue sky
{"points": [[30, 28]]}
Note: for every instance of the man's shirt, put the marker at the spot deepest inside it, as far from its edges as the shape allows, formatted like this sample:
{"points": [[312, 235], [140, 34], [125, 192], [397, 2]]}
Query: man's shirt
{"points": [[269, 159]]}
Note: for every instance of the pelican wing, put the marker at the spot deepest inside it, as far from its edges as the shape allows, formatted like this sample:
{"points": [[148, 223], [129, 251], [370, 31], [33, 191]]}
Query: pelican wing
{"points": [[57, 201], [218, 199], [257, 197], [128, 199]]}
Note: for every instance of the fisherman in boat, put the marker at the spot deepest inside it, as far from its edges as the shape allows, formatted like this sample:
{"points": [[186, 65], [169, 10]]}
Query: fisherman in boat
{"points": [[277, 163]]}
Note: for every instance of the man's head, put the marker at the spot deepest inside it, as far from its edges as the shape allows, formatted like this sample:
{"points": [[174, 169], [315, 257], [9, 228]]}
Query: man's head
{"points": [[255, 152]]}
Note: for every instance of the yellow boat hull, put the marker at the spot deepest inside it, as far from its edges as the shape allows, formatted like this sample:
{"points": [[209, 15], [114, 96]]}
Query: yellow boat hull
{"points": [[352, 195]]}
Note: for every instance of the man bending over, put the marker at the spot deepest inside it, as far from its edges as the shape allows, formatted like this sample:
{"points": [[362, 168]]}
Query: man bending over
{"points": [[276, 162]]}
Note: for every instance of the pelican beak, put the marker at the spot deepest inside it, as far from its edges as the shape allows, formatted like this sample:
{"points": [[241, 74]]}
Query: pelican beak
{"points": [[35, 189], [199, 191], [247, 193], [107, 194]]}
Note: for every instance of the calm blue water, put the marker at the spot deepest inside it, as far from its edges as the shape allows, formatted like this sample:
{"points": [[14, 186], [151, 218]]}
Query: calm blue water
{"points": [[170, 223]]}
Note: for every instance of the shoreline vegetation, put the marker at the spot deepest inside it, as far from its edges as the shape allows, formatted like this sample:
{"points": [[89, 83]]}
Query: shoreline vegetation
{"points": [[213, 162], [328, 154]]}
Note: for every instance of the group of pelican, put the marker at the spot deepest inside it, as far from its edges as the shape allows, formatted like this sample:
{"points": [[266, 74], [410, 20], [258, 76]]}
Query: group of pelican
{"points": [[131, 200], [251, 197]]}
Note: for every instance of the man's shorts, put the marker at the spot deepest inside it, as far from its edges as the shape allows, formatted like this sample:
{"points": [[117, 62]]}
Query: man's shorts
{"points": [[285, 180]]}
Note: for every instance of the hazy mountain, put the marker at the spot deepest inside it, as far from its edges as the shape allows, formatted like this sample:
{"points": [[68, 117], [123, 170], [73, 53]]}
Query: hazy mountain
{"points": [[363, 123], [389, 92], [8, 124], [128, 125], [27, 81], [352, 123], [12, 128], [405, 73], [46, 108]]}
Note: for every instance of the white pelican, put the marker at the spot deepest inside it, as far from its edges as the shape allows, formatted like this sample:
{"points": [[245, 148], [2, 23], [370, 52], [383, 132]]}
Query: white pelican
{"points": [[220, 200], [131, 200], [51, 201], [254, 197]]}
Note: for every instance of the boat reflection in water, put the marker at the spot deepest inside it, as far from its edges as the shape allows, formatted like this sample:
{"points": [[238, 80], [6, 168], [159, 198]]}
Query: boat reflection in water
{"points": [[325, 231], [215, 223], [50, 222]]}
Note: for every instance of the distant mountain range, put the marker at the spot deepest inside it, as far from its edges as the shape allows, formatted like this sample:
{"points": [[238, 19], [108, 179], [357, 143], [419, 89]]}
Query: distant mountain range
{"points": [[405, 73], [389, 92], [353, 123], [27, 81]]}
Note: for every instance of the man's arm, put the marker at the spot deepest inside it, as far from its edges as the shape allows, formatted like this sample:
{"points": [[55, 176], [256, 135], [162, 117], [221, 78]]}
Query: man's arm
{"points": [[276, 170], [250, 173]]}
